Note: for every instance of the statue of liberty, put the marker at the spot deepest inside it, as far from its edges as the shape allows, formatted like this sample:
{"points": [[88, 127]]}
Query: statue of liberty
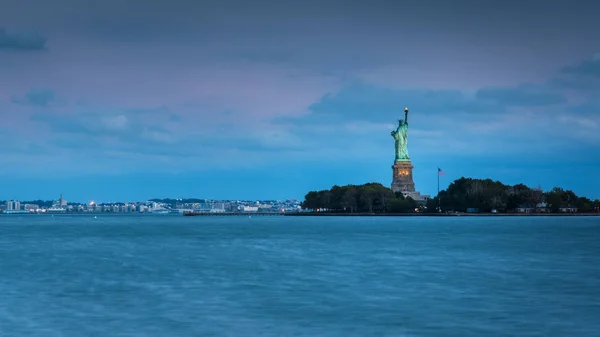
{"points": [[401, 138]]}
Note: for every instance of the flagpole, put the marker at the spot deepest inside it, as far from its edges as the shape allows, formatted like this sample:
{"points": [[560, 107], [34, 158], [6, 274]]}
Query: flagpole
{"points": [[438, 191]]}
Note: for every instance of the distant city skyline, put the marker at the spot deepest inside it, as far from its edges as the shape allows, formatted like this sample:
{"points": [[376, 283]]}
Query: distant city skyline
{"points": [[155, 206], [63, 202], [270, 100]]}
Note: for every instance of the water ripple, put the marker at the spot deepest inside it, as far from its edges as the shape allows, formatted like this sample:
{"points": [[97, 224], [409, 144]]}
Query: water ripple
{"points": [[176, 276]]}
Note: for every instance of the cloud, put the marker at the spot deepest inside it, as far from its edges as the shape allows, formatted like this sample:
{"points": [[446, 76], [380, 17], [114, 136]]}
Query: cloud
{"points": [[255, 115], [21, 42], [18, 144], [128, 126], [488, 122], [582, 79], [583, 122], [164, 139], [525, 95], [262, 119], [315, 83], [344, 124], [575, 83], [38, 97], [589, 67], [583, 118], [367, 102], [589, 108]]}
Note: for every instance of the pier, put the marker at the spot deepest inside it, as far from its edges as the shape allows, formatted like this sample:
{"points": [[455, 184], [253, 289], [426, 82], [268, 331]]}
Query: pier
{"points": [[232, 214]]}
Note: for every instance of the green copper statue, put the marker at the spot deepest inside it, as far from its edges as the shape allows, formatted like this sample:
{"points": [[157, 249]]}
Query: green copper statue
{"points": [[401, 138]]}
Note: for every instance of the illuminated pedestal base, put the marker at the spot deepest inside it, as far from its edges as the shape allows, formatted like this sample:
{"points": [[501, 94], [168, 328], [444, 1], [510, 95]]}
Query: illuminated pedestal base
{"points": [[402, 181]]}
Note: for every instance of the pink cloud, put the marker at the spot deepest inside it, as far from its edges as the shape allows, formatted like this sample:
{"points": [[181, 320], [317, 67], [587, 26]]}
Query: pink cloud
{"points": [[135, 76]]}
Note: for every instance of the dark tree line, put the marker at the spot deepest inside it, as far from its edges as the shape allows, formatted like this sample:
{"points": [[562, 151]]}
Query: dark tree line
{"points": [[487, 195], [367, 198], [464, 193]]}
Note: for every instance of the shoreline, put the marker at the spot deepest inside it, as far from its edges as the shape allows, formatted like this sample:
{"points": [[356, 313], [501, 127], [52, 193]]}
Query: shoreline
{"points": [[441, 214], [90, 213], [315, 214]]}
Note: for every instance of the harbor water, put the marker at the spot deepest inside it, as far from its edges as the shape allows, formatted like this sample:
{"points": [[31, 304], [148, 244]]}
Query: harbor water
{"points": [[76, 275]]}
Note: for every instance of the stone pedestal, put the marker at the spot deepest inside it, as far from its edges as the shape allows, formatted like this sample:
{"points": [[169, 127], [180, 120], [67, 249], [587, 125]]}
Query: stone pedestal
{"points": [[402, 181], [402, 177]]}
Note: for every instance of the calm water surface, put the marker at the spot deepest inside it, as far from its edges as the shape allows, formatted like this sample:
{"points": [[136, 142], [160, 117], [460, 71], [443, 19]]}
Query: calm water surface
{"points": [[274, 276]]}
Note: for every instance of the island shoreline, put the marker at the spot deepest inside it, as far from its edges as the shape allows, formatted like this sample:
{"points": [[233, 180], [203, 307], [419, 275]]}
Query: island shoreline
{"points": [[439, 214]]}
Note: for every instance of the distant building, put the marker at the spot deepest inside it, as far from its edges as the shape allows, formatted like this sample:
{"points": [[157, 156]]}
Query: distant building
{"points": [[56, 210], [217, 207], [525, 209], [568, 209], [31, 207], [13, 205], [539, 208], [62, 202], [265, 208]]}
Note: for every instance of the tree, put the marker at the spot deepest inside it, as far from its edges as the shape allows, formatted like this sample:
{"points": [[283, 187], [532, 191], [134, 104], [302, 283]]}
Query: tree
{"points": [[350, 198], [432, 205], [596, 205], [367, 198], [554, 198], [584, 204], [461, 194], [311, 200], [384, 195], [401, 205], [337, 194]]}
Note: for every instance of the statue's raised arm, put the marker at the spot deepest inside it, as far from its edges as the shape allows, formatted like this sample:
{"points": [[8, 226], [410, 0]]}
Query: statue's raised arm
{"points": [[406, 115]]}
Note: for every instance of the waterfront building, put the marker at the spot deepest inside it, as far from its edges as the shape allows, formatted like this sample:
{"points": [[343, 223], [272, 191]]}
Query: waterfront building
{"points": [[13, 205]]}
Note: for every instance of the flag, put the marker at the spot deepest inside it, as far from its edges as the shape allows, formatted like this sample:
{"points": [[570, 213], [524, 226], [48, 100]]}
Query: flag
{"points": [[440, 172]]}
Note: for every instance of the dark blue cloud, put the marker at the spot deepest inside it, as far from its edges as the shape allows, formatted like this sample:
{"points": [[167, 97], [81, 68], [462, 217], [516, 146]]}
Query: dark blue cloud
{"points": [[37, 97], [589, 108], [526, 95], [516, 123], [143, 132], [21, 42], [367, 102], [590, 67], [359, 101], [577, 83], [134, 126], [18, 146]]}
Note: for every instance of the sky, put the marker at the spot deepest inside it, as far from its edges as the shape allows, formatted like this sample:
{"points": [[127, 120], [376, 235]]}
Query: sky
{"points": [[132, 99]]}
